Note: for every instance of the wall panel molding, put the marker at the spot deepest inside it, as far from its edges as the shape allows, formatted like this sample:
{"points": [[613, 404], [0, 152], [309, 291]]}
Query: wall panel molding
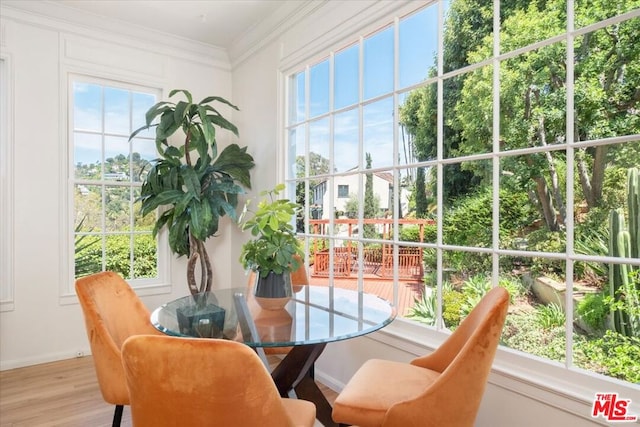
{"points": [[6, 183]]}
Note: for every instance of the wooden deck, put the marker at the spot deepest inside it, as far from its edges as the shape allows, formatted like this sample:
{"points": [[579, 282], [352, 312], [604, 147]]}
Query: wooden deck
{"points": [[407, 291]]}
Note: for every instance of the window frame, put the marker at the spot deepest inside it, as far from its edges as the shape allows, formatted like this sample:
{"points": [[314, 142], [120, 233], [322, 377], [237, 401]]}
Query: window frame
{"points": [[402, 333], [342, 194], [143, 286]]}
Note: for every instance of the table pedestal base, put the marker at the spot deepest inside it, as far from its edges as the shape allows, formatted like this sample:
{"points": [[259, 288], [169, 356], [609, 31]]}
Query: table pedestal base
{"points": [[295, 372]]}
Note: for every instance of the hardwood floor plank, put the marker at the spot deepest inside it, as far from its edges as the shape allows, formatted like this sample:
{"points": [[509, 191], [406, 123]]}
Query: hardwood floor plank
{"points": [[63, 393]]}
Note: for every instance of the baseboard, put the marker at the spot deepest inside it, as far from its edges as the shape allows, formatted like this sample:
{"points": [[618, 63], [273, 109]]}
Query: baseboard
{"points": [[44, 358]]}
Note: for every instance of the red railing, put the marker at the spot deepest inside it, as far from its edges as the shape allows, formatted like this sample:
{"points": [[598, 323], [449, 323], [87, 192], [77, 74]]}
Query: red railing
{"points": [[377, 261]]}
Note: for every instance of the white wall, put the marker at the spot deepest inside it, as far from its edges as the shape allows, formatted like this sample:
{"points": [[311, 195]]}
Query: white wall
{"points": [[43, 326]]}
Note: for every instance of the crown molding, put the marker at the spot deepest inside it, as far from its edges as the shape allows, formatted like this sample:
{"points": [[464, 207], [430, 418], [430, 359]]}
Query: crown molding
{"points": [[57, 17], [273, 26]]}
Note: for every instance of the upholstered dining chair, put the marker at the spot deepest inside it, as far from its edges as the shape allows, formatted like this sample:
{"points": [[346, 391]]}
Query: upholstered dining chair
{"points": [[112, 313], [204, 382], [443, 388]]}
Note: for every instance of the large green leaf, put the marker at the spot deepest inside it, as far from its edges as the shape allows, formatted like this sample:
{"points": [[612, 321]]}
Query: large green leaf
{"points": [[208, 131], [236, 162], [137, 131], [218, 99], [156, 110], [223, 123], [162, 220], [172, 153], [165, 198], [200, 217], [167, 127], [179, 235], [197, 141], [190, 179], [187, 94], [151, 185], [181, 206], [180, 111]]}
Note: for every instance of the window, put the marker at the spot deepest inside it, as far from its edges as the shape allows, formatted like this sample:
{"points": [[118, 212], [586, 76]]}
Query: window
{"points": [[6, 190], [343, 191], [106, 174], [480, 157]]}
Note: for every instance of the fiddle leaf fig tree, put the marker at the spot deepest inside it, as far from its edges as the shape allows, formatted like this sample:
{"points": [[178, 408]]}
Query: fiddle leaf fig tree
{"points": [[193, 184]]}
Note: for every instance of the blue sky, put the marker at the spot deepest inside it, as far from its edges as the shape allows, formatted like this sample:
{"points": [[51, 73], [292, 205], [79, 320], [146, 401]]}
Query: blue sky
{"points": [[114, 111], [416, 51]]}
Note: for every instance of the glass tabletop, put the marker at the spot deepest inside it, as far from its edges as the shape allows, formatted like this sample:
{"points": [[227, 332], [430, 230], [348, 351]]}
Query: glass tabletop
{"points": [[315, 314]]}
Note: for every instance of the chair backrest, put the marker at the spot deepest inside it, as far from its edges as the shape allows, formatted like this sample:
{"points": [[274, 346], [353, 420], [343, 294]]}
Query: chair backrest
{"points": [[464, 361], [112, 313], [197, 382]]}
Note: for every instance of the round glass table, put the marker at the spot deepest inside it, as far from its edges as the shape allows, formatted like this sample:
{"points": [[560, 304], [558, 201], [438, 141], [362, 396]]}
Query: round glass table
{"points": [[315, 316]]}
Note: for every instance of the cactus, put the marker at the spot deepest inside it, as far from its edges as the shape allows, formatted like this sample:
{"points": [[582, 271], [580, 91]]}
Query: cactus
{"points": [[633, 202], [624, 279]]}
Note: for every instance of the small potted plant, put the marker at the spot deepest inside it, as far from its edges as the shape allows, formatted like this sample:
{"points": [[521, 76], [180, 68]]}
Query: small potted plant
{"points": [[274, 252]]}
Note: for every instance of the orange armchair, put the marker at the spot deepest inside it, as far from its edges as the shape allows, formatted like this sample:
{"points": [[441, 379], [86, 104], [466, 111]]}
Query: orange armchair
{"points": [[443, 388], [203, 382], [112, 313]]}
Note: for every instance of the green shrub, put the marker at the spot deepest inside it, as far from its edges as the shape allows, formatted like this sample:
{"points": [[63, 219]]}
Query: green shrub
{"points": [[473, 289], [425, 308], [550, 316], [522, 332], [452, 302], [593, 310], [468, 222], [543, 240], [410, 233], [513, 285], [614, 355], [118, 257]]}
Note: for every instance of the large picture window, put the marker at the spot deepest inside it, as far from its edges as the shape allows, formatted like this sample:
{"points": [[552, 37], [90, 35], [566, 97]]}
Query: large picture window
{"points": [[482, 152], [106, 175]]}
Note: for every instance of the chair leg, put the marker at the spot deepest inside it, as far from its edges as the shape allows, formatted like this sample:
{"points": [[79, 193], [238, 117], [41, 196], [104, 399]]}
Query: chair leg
{"points": [[117, 416]]}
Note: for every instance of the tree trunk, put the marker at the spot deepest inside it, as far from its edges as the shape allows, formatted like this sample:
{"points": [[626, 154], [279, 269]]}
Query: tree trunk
{"points": [[585, 181], [597, 174], [197, 251], [546, 204]]}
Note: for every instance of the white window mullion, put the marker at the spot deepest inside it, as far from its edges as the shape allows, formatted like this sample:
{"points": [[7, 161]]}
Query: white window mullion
{"points": [[440, 165], [496, 169], [569, 185]]}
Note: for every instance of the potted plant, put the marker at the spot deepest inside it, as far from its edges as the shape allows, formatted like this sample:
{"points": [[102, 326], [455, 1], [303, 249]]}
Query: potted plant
{"points": [[193, 184], [274, 252]]}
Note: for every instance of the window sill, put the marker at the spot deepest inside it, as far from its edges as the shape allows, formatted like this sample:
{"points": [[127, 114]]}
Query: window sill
{"points": [[141, 290]]}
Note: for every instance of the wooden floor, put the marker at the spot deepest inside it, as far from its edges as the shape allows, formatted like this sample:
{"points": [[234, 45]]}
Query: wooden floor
{"points": [[61, 393]]}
